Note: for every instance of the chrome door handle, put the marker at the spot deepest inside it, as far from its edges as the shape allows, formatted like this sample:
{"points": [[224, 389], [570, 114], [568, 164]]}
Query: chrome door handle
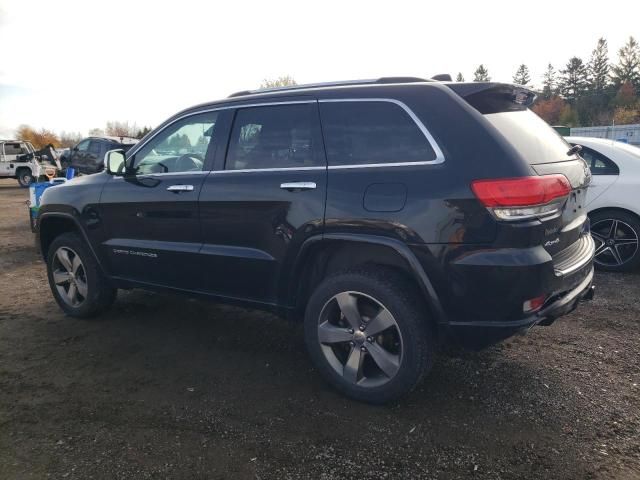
{"points": [[180, 188], [298, 186]]}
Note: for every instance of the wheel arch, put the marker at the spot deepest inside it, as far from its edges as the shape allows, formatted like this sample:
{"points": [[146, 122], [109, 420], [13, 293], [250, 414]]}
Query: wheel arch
{"points": [[54, 224], [321, 256], [614, 209]]}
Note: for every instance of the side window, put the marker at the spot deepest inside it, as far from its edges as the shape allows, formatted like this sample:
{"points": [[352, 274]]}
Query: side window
{"points": [[180, 147], [95, 147], [12, 149], [24, 148], [83, 146], [599, 164], [375, 132], [277, 136]]}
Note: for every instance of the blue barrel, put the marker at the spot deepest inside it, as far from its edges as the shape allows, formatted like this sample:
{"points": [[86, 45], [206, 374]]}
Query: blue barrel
{"points": [[71, 172]]}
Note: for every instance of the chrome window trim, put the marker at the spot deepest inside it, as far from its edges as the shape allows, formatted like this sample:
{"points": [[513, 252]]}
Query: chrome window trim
{"points": [[274, 169], [138, 147], [432, 142], [434, 145], [164, 174]]}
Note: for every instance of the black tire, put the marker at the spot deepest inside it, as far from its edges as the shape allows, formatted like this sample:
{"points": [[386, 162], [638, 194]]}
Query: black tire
{"points": [[24, 177], [628, 229], [402, 300], [99, 293]]}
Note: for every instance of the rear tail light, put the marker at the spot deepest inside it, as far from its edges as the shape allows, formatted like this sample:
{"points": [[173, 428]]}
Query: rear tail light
{"points": [[523, 198]]}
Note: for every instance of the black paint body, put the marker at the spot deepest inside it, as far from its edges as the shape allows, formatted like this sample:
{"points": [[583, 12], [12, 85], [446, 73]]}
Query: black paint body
{"points": [[239, 237]]}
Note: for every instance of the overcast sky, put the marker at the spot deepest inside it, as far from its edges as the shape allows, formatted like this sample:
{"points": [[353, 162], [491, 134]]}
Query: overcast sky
{"points": [[67, 65]]}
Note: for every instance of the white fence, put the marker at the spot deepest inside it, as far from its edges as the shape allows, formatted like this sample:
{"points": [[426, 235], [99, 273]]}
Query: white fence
{"points": [[624, 133]]}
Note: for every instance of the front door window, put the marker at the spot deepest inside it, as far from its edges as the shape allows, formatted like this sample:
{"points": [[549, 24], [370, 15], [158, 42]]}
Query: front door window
{"points": [[181, 147]]}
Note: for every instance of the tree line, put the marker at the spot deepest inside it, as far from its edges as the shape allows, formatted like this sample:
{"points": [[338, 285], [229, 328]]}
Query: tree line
{"points": [[581, 93], [43, 137], [585, 93]]}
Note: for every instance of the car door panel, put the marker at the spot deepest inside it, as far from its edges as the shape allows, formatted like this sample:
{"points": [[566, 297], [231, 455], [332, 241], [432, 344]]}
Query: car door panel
{"points": [[252, 225], [154, 233], [151, 218]]}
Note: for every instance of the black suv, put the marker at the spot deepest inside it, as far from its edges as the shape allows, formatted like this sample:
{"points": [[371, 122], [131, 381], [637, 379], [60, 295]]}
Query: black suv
{"points": [[88, 155], [393, 215]]}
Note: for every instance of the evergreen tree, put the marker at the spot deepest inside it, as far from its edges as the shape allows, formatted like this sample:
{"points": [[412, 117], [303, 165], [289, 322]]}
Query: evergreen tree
{"points": [[574, 82], [459, 77], [549, 83], [481, 74], [522, 76], [628, 67], [598, 68]]}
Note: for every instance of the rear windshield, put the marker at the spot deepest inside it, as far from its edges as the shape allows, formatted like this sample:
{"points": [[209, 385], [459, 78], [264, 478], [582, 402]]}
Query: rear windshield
{"points": [[531, 136]]}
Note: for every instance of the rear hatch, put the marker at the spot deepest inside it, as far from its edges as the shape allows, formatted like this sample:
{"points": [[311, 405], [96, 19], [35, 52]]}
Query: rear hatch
{"points": [[560, 224]]}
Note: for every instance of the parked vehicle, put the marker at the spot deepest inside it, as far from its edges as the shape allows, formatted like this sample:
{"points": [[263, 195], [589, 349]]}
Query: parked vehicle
{"points": [[87, 156], [18, 160], [612, 201], [393, 215]]}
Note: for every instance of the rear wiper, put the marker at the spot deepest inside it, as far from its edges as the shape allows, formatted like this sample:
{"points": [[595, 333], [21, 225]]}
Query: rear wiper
{"points": [[573, 150]]}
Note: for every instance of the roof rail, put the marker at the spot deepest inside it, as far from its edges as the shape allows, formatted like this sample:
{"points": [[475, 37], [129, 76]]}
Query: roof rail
{"points": [[381, 80]]}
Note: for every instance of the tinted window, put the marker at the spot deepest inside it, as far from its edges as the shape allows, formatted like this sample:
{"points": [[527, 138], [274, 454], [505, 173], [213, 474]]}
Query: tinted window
{"points": [[358, 133], [83, 146], [281, 136], [531, 136], [94, 147], [180, 147], [599, 164]]}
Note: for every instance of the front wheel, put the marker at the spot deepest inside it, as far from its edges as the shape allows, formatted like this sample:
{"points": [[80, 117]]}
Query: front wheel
{"points": [[75, 278], [25, 178], [616, 235], [367, 332]]}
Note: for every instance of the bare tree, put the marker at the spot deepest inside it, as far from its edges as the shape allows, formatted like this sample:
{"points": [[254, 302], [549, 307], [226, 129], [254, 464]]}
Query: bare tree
{"points": [[121, 129], [284, 81]]}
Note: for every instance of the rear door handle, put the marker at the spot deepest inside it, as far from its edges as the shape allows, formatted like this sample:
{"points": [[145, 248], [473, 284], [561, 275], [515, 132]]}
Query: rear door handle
{"points": [[180, 188], [291, 186]]}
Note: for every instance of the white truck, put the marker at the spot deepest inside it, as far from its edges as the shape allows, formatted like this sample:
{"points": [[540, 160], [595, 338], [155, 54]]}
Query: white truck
{"points": [[19, 160]]}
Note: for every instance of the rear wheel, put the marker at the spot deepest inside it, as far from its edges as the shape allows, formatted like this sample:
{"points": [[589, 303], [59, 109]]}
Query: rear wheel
{"points": [[366, 331], [75, 278], [616, 235], [24, 177]]}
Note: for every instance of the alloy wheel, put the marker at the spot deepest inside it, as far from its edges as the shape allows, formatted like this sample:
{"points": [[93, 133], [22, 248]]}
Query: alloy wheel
{"points": [[360, 339], [69, 277], [616, 242]]}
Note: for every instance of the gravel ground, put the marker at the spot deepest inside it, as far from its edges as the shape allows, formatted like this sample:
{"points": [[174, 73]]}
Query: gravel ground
{"points": [[167, 387]]}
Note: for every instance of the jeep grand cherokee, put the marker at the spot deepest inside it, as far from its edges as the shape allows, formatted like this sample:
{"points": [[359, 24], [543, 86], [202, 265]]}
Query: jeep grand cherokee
{"points": [[392, 216]]}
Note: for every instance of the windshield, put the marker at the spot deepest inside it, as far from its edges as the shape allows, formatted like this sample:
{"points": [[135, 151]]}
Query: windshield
{"points": [[531, 136]]}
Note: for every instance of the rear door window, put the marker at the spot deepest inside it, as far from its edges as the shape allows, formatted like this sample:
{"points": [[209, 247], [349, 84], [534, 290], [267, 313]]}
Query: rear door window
{"points": [[372, 132], [95, 147], [275, 136], [534, 139], [599, 164]]}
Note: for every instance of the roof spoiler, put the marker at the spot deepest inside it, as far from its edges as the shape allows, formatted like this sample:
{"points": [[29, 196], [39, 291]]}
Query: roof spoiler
{"points": [[489, 97]]}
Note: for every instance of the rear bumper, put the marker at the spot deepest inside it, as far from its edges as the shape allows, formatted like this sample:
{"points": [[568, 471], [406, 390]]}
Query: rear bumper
{"points": [[484, 290], [476, 335]]}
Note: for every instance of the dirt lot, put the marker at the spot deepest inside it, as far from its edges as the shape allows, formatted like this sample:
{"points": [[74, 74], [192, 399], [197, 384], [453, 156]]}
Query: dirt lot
{"points": [[167, 387]]}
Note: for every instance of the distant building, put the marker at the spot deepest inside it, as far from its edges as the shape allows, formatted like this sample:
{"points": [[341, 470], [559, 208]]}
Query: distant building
{"points": [[622, 133]]}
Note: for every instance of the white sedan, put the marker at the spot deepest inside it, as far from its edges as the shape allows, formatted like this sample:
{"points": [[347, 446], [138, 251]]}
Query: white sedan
{"points": [[613, 201]]}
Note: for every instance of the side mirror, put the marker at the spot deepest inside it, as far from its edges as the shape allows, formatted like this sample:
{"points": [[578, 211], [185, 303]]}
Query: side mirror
{"points": [[114, 161], [75, 149]]}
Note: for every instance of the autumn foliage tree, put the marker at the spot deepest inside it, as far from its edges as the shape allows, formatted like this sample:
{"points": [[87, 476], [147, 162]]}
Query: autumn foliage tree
{"points": [[550, 109], [38, 138]]}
